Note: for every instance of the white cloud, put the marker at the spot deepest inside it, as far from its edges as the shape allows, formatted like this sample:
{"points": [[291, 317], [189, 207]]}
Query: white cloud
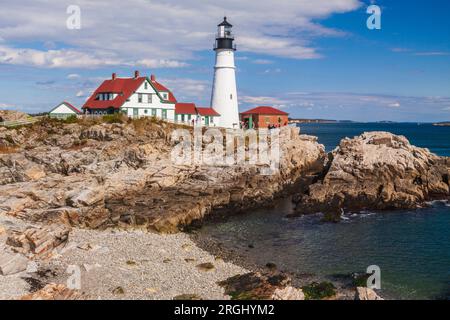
{"points": [[161, 63], [74, 59], [432, 53], [262, 61], [160, 33], [73, 76], [263, 101], [52, 58], [4, 106], [186, 89], [361, 107], [80, 94], [270, 71]]}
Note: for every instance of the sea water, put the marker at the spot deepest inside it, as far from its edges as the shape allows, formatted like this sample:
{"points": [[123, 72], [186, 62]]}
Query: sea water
{"points": [[412, 247]]}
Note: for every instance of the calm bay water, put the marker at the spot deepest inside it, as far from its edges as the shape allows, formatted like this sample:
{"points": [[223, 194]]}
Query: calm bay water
{"points": [[412, 248]]}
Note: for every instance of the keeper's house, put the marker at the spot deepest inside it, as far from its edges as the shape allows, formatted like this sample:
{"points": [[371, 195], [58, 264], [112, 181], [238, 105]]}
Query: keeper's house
{"points": [[63, 111], [145, 97]]}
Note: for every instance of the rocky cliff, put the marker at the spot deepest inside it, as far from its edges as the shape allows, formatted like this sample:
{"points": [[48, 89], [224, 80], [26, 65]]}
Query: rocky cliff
{"points": [[95, 174], [377, 170]]}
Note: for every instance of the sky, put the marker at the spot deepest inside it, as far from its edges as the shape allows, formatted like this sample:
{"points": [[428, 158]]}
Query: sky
{"points": [[313, 59]]}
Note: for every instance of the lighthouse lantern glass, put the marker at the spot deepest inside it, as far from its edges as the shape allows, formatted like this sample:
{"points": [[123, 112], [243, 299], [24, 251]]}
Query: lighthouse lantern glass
{"points": [[224, 32]]}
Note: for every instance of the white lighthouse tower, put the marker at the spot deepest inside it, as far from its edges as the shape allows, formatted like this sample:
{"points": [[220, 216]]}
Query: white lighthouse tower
{"points": [[224, 93]]}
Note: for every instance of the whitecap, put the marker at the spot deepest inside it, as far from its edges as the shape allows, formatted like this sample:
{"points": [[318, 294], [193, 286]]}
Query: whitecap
{"points": [[438, 203]]}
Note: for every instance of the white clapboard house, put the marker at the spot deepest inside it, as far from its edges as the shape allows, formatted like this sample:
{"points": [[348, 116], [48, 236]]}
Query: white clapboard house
{"points": [[141, 96], [64, 110]]}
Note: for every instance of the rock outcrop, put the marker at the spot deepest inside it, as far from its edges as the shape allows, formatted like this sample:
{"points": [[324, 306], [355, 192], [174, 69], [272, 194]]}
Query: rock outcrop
{"points": [[257, 286], [54, 292], [377, 170], [97, 175], [363, 293], [38, 242], [9, 115]]}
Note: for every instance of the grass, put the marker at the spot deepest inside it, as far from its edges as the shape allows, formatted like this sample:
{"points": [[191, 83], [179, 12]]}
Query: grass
{"points": [[114, 118], [319, 291]]}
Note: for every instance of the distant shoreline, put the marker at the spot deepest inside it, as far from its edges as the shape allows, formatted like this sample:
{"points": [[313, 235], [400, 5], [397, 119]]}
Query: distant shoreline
{"points": [[312, 121], [330, 121], [442, 124]]}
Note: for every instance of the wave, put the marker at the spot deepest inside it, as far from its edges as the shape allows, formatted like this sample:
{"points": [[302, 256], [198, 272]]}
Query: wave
{"points": [[438, 203]]}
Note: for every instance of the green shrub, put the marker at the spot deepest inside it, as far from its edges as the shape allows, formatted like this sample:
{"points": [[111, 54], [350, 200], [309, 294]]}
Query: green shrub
{"points": [[360, 279], [70, 119], [114, 118], [318, 291]]}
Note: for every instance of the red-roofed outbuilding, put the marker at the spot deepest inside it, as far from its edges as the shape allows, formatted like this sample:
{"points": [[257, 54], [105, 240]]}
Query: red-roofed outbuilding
{"points": [[263, 117]]}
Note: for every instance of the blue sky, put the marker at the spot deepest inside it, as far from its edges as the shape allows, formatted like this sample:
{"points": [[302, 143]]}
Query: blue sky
{"points": [[313, 59]]}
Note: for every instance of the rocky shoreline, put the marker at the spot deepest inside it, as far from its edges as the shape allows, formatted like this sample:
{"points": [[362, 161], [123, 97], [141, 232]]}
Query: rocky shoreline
{"points": [[63, 184], [118, 176], [121, 174], [376, 171]]}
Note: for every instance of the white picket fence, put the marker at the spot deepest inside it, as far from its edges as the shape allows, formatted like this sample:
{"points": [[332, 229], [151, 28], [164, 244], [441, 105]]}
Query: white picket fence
{"points": [[17, 123]]}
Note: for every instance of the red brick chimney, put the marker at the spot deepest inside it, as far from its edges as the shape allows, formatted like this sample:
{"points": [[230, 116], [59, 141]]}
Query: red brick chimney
{"points": [[136, 74], [114, 76], [152, 77]]}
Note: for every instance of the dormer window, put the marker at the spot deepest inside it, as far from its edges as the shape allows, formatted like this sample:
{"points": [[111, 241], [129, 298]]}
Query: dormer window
{"points": [[165, 95], [105, 96]]}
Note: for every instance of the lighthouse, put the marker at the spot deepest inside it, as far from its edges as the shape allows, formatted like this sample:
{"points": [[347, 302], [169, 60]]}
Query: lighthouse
{"points": [[224, 93]]}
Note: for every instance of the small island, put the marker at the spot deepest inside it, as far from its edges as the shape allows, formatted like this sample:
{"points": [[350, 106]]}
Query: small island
{"points": [[442, 124]]}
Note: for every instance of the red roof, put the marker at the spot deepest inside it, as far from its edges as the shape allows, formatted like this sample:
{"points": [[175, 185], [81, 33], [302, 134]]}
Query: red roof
{"points": [[207, 112], [71, 107], [185, 108], [124, 87], [265, 110], [159, 87]]}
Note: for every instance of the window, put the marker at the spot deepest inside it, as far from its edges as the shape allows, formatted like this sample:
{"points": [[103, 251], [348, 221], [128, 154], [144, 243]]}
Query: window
{"points": [[211, 119], [164, 114], [189, 117], [139, 97], [149, 98], [267, 119], [164, 95], [145, 85], [182, 117], [154, 112], [145, 111], [231, 96]]}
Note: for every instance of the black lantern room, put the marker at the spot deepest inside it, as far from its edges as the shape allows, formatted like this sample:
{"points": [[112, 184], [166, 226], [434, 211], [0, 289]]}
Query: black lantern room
{"points": [[224, 37]]}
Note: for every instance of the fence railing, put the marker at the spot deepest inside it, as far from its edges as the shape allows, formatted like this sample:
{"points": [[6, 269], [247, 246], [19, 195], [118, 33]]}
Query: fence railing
{"points": [[17, 123]]}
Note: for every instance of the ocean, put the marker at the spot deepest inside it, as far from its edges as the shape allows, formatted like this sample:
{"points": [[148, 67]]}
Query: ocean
{"points": [[435, 138], [411, 247]]}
